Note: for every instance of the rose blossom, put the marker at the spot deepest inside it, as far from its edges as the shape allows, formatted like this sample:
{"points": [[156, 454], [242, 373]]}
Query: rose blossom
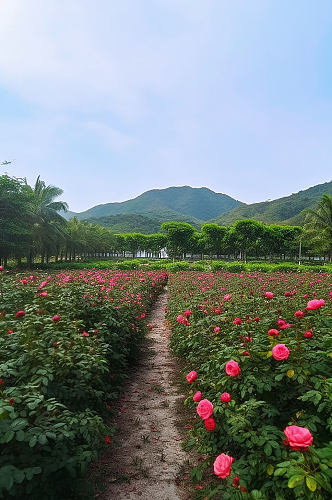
{"points": [[225, 397], [308, 335], [56, 318], [236, 481], [20, 314], [223, 465], [191, 376], [315, 304], [269, 295], [210, 424], [237, 321], [204, 409], [299, 314], [216, 329], [197, 396], [232, 368], [298, 437], [280, 352], [273, 332]]}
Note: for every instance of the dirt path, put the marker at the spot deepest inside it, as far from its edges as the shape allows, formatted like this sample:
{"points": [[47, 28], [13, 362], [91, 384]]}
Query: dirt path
{"points": [[146, 458]]}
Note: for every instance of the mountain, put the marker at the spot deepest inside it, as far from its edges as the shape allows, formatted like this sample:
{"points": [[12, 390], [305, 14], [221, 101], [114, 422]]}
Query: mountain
{"points": [[286, 210], [200, 203], [146, 224]]}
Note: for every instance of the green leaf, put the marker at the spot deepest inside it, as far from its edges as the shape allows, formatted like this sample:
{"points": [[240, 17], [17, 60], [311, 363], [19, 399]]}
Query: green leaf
{"points": [[42, 439], [294, 481], [270, 469], [8, 436], [311, 483], [33, 441], [18, 424], [20, 435], [280, 472], [268, 449]]}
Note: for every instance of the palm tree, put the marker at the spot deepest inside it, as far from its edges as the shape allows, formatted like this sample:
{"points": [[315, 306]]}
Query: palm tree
{"points": [[319, 224], [48, 224]]}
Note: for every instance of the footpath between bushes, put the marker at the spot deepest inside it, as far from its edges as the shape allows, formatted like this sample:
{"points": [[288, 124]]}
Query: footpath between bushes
{"points": [[146, 459]]}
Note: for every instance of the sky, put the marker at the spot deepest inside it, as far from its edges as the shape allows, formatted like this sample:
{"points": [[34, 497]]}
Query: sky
{"points": [[107, 99]]}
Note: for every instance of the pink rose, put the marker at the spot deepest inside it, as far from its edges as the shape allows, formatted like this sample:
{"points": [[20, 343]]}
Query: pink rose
{"points": [[225, 397], [187, 313], [315, 304], [298, 437], [191, 376], [204, 409], [237, 321], [280, 352], [273, 332], [210, 424], [308, 335], [197, 396], [216, 329], [56, 318], [43, 294], [299, 314], [232, 368], [20, 314], [269, 295], [228, 296], [223, 465]]}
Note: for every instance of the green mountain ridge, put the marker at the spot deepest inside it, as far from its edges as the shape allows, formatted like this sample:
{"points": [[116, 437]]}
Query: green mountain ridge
{"points": [[139, 223], [147, 212], [285, 210], [200, 203]]}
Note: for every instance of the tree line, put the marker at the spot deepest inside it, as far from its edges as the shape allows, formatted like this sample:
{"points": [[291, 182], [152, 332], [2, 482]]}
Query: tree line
{"points": [[31, 227]]}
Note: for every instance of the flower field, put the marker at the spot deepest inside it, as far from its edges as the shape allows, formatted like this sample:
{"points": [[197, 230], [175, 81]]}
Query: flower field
{"points": [[65, 342], [258, 348]]}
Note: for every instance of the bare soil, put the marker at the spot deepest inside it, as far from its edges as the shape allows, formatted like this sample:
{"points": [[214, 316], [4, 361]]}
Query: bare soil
{"points": [[146, 459]]}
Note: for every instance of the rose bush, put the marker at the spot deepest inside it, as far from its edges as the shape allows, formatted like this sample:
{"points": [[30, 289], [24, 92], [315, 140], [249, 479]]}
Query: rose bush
{"points": [[278, 376], [63, 357]]}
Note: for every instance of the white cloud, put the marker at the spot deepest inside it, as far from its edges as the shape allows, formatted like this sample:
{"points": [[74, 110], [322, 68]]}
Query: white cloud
{"points": [[80, 54]]}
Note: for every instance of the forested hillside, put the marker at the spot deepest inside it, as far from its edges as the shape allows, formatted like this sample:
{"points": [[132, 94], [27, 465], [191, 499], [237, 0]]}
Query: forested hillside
{"points": [[200, 203], [286, 210]]}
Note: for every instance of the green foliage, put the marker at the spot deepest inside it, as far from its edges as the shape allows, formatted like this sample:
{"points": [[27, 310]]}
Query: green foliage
{"points": [[319, 225], [60, 376], [172, 202], [288, 210], [268, 394]]}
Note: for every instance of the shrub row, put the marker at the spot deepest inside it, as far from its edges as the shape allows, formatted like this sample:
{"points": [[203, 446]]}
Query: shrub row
{"points": [[65, 343], [258, 348]]}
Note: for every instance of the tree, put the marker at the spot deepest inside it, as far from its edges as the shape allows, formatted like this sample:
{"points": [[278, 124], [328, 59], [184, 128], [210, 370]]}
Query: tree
{"points": [[178, 237], [214, 238], [15, 227], [47, 224], [318, 224], [245, 235]]}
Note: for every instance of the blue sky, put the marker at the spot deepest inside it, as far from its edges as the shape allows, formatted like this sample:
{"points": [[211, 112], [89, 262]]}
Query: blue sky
{"points": [[107, 99]]}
